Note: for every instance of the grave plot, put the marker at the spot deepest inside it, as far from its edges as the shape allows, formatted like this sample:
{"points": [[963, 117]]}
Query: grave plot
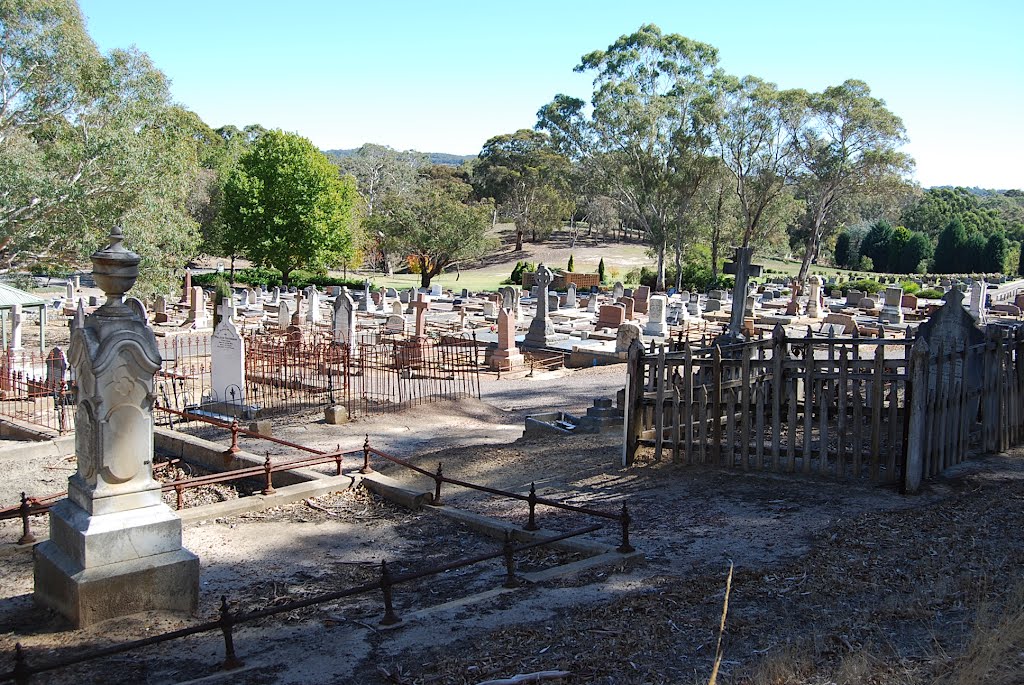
{"points": [[265, 560]]}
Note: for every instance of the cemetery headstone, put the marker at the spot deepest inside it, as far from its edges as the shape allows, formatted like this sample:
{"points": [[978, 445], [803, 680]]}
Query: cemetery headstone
{"points": [[541, 328], [656, 324], [83, 571]]}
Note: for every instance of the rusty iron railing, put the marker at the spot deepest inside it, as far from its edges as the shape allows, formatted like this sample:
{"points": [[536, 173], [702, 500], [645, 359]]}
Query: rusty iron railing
{"points": [[22, 671]]}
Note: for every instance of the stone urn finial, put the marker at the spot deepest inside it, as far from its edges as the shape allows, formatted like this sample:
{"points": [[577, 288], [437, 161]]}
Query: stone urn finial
{"points": [[115, 270]]}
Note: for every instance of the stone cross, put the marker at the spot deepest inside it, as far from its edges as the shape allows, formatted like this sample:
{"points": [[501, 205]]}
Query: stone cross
{"points": [[420, 306], [739, 293], [114, 547], [540, 328]]}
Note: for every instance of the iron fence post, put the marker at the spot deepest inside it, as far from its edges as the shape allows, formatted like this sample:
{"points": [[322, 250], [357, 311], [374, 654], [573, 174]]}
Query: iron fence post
{"points": [[390, 617], [21, 670], [234, 449], [510, 562], [438, 479], [269, 488], [531, 524], [27, 538], [227, 621], [625, 547], [337, 459], [366, 456]]}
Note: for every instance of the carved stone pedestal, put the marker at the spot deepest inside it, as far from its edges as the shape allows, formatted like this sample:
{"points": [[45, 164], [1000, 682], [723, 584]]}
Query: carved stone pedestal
{"points": [[114, 547]]}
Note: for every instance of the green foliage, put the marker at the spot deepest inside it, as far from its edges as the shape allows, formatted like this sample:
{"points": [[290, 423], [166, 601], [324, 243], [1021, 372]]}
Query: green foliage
{"points": [[875, 245], [221, 291], [570, 266], [517, 273], [286, 207], [528, 179], [601, 272], [930, 293], [436, 225], [910, 287], [843, 253], [994, 256], [1020, 262], [87, 141], [865, 286], [939, 206], [949, 248]]}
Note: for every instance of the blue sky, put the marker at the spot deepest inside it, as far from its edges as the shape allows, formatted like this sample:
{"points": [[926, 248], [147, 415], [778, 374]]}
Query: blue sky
{"points": [[445, 76]]}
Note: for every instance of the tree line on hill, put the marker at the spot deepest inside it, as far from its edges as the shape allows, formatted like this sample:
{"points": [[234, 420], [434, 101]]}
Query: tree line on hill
{"points": [[670, 144]]}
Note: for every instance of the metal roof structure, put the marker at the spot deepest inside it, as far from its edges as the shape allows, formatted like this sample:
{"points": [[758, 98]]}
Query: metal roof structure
{"points": [[11, 296]]}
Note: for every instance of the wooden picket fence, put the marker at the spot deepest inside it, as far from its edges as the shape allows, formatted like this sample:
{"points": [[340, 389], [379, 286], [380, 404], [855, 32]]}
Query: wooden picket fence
{"points": [[840, 407]]}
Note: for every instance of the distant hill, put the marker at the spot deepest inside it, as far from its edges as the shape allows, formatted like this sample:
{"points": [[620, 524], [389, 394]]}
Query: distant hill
{"points": [[435, 157]]}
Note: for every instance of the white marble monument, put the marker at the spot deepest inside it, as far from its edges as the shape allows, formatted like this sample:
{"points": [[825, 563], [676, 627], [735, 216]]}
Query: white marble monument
{"points": [[115, 547]]}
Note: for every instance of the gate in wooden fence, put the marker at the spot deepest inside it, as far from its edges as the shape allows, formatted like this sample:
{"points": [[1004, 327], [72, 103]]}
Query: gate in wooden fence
{"points": [[887, 410]]}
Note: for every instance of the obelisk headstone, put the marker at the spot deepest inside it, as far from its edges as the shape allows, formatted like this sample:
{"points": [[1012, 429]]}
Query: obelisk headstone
{"points": [[114, 547]]}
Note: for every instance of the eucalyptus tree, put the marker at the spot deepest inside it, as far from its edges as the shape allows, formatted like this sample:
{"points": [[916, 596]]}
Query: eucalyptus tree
{"points": [[527, 178], [756, 146], [87, 140], [381, 171], [436, 225], [646, 138], [845, 142]]}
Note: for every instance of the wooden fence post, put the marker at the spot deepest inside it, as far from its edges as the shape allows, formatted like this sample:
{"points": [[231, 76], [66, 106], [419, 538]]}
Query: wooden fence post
{"points": [[916, 404], [634, 396]]}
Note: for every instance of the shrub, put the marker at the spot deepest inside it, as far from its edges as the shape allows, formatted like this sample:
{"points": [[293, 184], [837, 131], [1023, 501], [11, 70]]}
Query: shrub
{"points": [[865, 286], [909, 287], [931, 294]]}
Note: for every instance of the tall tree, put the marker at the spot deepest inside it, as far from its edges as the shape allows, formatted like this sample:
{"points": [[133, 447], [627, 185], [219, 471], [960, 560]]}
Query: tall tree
{"points": [[756, 145], [286, 206], [528, 179], [949, 250], [844, 140], [646, 140], [382, 171], [938, 206], [436, 225], [86, 141]]}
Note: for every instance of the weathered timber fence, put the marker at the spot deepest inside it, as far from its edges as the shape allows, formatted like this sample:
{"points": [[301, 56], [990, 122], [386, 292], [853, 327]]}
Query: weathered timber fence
{"points": [[810, 405], [890, 411]]}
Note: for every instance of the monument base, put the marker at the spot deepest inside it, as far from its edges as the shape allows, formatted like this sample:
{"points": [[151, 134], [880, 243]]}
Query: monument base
{"points": [[506, 361], [893, 315], [166, 582], [98, 567]]}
